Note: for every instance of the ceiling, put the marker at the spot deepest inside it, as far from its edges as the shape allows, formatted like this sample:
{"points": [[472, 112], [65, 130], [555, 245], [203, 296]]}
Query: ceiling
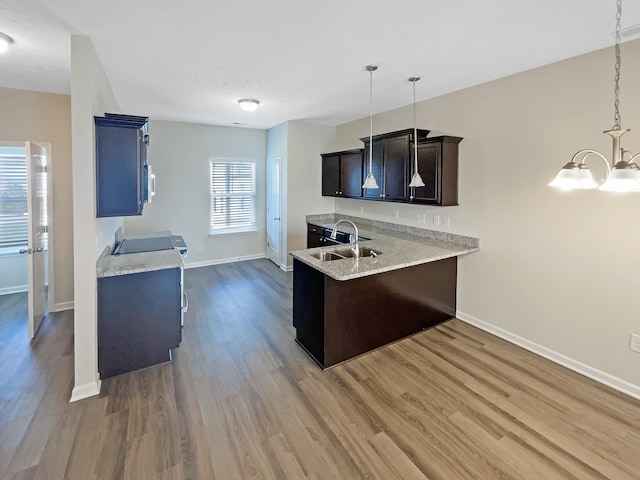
{"points": [[192, 60]]}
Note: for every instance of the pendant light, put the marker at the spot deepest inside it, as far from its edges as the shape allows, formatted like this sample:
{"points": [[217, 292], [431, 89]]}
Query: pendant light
{"points": [[622, 175], [370, 181], [416, 179]]}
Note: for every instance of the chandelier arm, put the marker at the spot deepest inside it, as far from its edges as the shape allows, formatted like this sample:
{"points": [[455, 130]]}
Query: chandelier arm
{"points": [[637, 155], [586, 152]]}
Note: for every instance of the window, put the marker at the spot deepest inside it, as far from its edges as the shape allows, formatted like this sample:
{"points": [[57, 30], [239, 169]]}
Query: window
{"points": [[233, 195], [13, 198]]}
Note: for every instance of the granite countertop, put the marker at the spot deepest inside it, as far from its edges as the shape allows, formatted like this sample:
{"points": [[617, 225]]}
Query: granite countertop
{"points": [[400, 246], [113, 265]]}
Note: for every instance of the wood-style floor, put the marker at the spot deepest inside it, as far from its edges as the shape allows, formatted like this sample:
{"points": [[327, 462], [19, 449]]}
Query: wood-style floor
{"points": [[241, 400]]}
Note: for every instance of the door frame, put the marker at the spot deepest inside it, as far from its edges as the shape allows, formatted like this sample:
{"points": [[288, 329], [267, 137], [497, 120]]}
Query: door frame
{"points": [[51, 304], [277, 159]]}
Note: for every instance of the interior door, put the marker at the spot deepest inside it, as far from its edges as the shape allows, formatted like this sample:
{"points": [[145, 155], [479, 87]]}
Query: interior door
{"points": [[273, 210], [36, 207]]}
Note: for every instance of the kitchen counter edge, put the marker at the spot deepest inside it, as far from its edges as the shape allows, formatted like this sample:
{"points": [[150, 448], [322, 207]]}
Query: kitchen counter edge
{"points": [[109, 265], [401, 246]]}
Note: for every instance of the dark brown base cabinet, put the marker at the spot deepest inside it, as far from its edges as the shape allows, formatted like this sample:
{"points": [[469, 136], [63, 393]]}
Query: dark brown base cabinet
{"points": [[138, 320], [338, 320]]}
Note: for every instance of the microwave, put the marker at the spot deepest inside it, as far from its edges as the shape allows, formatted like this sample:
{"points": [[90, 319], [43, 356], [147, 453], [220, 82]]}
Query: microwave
{"points": [[149, 184]]}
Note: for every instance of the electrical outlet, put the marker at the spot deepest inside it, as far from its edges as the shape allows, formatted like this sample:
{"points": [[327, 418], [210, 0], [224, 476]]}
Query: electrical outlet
{"points": [[200, 247], [436, 219], [421, 218], [396, 214], [634, 344], [446, 221], [361, 209]]}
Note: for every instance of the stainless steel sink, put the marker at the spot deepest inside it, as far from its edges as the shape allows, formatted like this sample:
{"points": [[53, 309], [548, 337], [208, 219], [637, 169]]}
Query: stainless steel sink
{"points": [[345, 253]]}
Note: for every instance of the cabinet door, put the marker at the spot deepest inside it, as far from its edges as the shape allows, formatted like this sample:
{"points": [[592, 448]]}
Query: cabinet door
{"points": [[138, 320], [330, 175], [378, 149], [396, 165], [118, 171], [315, 236], [351, 175], [429, 162]]}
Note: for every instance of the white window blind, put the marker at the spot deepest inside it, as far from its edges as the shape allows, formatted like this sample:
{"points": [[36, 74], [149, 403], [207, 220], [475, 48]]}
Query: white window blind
{"points": [[13, 197], [233, 193]]}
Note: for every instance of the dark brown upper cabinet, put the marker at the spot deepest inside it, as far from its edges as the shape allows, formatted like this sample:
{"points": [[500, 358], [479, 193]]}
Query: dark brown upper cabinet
{"points": [[438, 167], [391, 164], [342, 174]]}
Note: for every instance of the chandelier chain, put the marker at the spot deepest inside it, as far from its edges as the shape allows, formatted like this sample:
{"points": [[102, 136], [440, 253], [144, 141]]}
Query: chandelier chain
{"points": [[616, 104]]}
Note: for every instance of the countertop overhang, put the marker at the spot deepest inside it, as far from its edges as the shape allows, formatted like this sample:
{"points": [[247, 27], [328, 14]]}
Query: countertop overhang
{"points": [[400, 246], [113, 265]]}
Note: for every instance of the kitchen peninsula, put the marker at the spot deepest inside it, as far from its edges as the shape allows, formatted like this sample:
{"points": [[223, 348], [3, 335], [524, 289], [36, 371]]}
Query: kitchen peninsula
{"points": [[346, 307]]}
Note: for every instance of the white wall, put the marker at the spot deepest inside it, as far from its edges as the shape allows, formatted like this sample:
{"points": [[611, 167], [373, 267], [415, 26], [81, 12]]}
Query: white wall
{"points": [[46, 118], [305, 143], [179, 154], [91, 95], [277, 148], [299, 145], [555, 271], [13, 273]]}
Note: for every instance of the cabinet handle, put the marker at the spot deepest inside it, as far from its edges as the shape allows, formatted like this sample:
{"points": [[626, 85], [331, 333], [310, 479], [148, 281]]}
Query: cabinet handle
{"points": [[336, 192], [340, 193]]}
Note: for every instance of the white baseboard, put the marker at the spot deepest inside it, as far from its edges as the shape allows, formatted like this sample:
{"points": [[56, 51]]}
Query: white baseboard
{"points": [[220, 261], [62, 306], [568, 362], [14, 289], [286, 268], [85, 391]]}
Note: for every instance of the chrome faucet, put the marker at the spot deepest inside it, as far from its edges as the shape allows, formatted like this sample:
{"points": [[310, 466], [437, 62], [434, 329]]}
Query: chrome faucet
{"points": [[353, 241]]}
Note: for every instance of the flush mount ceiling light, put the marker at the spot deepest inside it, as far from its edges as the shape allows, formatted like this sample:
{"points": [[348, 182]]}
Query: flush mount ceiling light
{"points": [[5, 42], [370, 181], [249, 104], [622, 175], [416, 179]]}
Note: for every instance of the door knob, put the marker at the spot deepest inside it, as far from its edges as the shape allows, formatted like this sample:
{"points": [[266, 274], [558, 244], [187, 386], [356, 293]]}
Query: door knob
{"points": [[25, 250], [277, 218], [39, 249]]}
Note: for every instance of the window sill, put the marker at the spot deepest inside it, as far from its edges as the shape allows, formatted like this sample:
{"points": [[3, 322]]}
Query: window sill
{"points": [[231, 231]]}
